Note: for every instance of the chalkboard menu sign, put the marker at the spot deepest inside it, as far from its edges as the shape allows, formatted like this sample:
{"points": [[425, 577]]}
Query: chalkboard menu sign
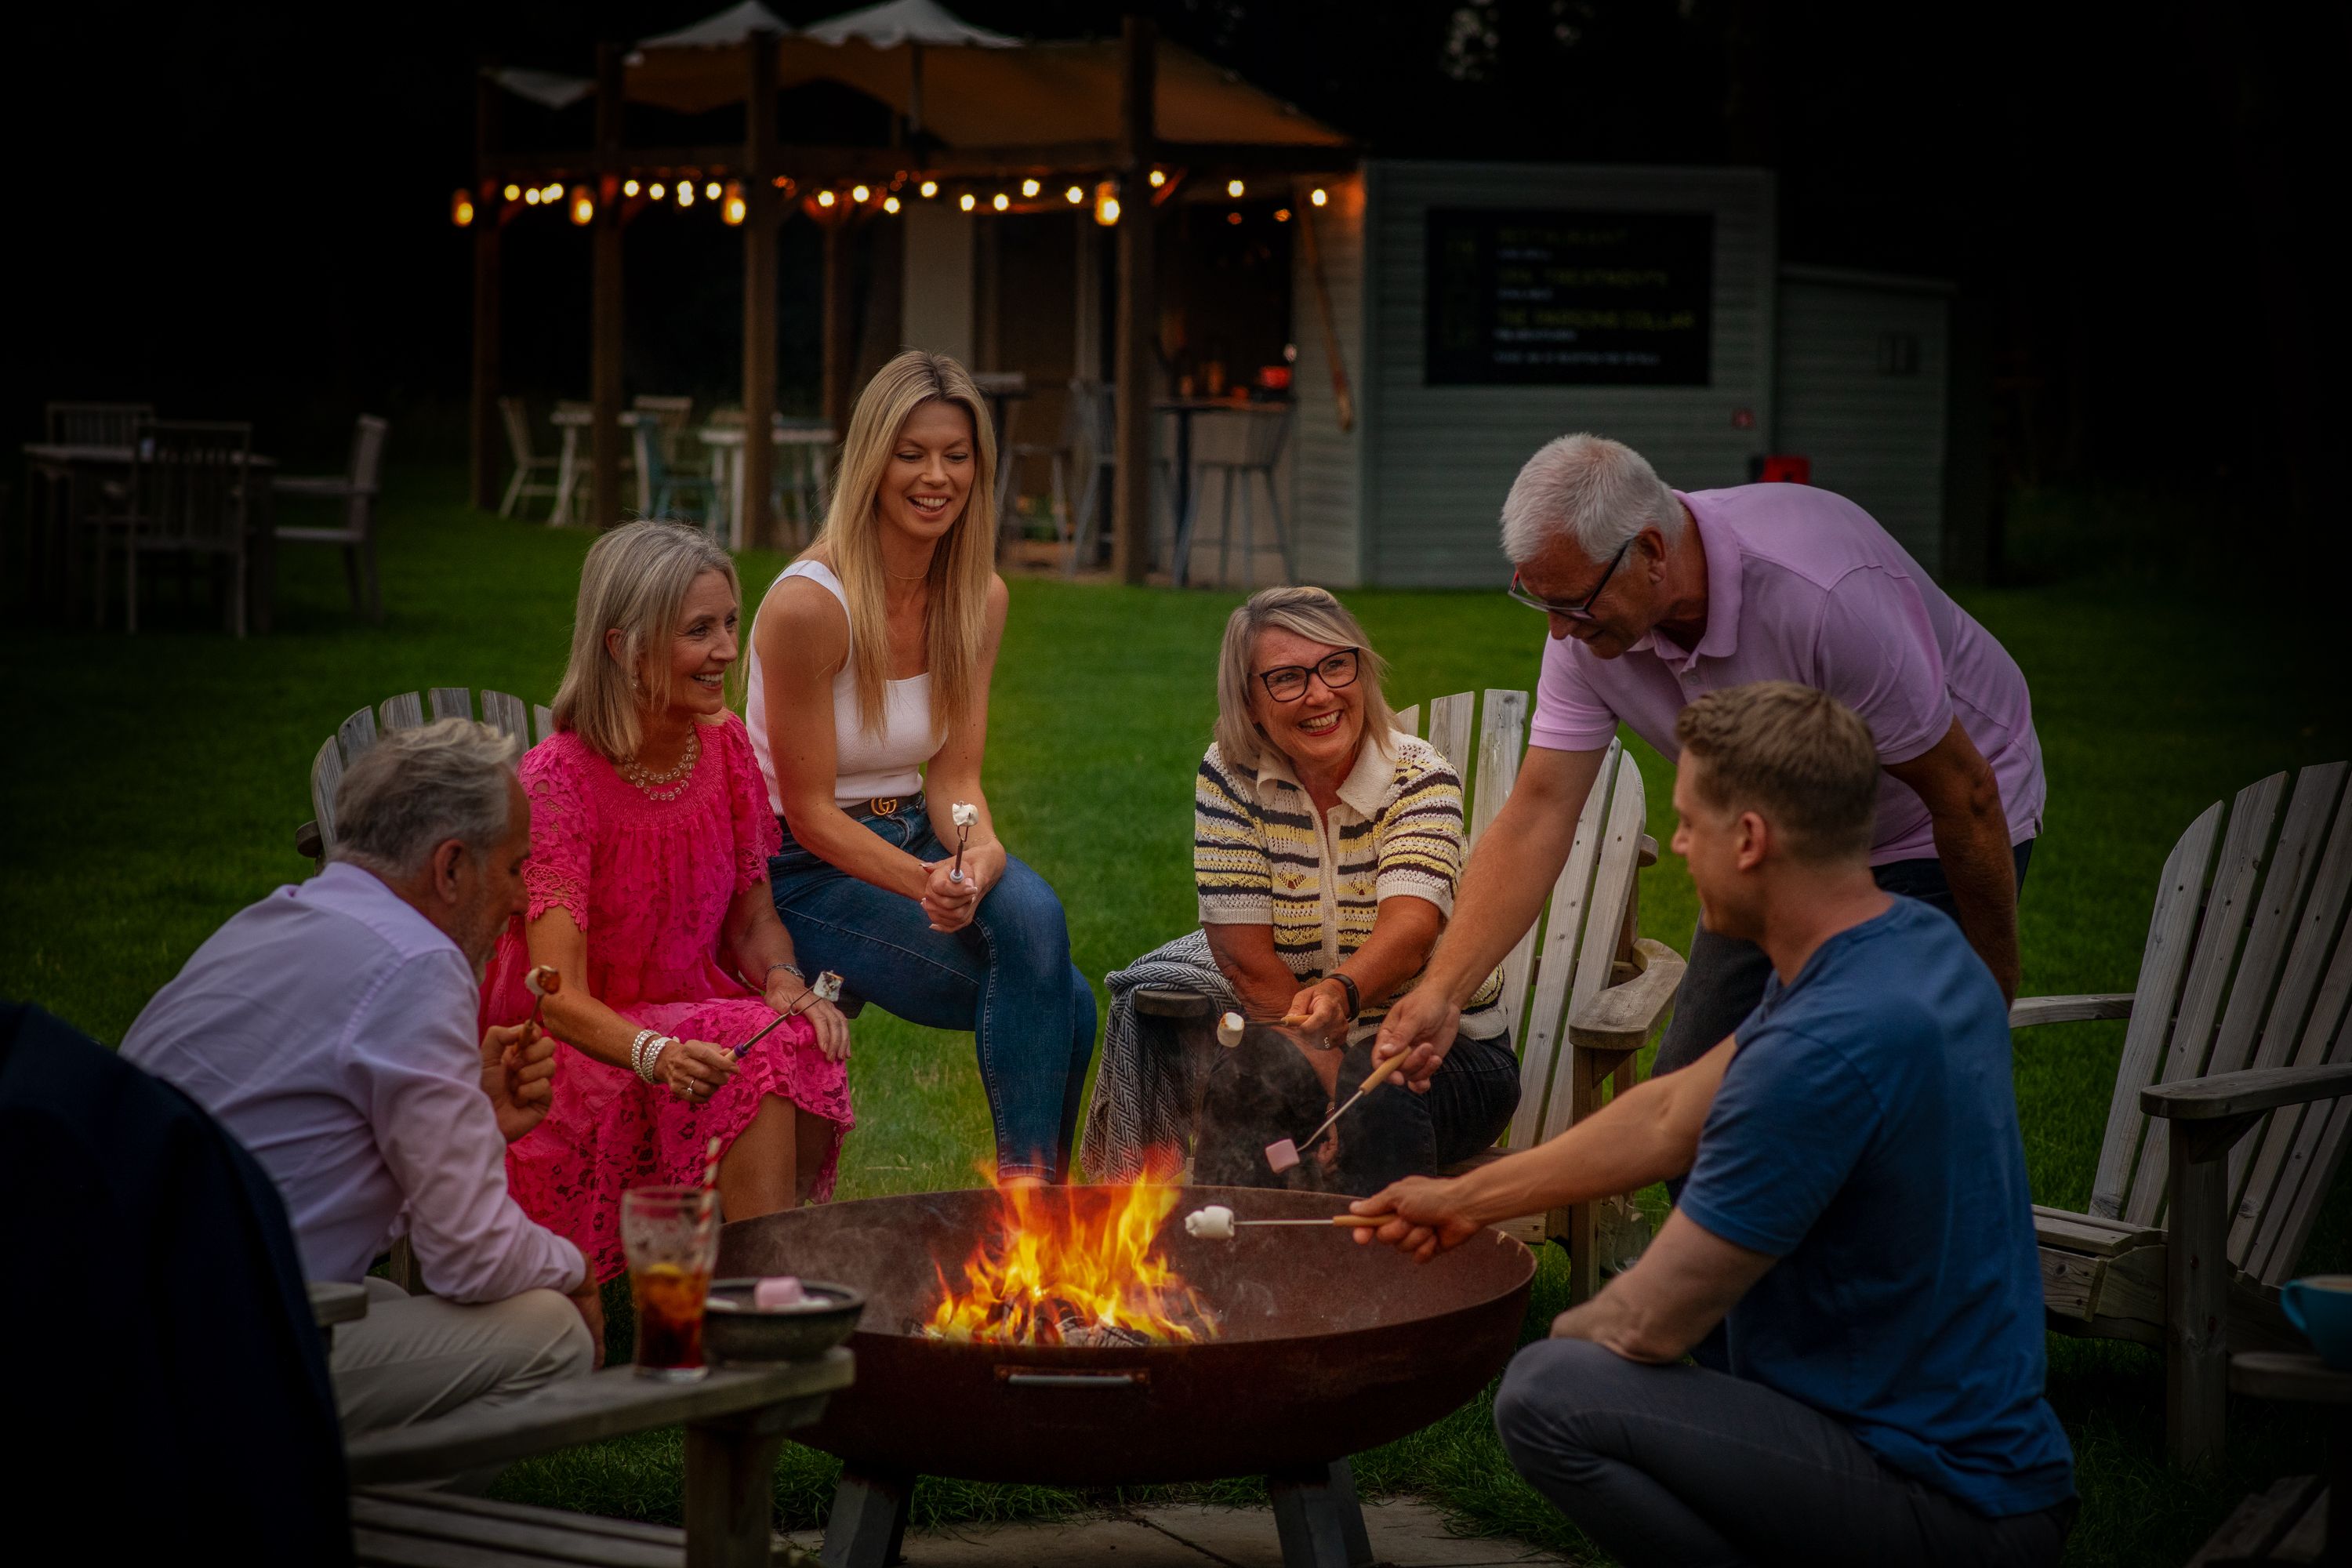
{"points": [[1567, 297]]}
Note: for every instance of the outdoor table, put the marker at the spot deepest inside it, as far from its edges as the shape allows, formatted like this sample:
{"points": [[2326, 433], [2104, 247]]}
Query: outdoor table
{"points": [[66, 472], [1184, 408], [812, 437], [571, 421]]}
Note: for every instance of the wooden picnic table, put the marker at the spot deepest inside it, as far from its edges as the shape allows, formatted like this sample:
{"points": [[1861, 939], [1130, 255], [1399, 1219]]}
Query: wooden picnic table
{"points": [[811, 437], [64, 476], [571, 421]]}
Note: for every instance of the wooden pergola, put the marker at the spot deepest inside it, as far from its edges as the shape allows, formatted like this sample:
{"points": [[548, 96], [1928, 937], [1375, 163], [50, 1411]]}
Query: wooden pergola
{"points": [[1141, 114]]}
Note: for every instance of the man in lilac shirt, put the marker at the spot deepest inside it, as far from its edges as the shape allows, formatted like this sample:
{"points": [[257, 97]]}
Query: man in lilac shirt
{"points": [[1656, 597], [329, 1027]]}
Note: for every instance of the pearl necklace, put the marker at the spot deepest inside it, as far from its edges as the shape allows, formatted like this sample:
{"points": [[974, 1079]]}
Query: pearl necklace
{"points": [[683, 773]]}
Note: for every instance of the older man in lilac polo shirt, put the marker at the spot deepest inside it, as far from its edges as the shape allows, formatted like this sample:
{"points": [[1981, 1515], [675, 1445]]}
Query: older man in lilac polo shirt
{"points": [[331, 1028], [1656, 597]]}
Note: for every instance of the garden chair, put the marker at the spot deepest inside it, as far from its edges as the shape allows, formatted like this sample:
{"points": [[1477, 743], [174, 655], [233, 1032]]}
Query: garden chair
{"points": [[660, 487], [1582, 977], [355, 491], [190, 495], [2239, 1022], [95, 424], [528, 463], [355, 734]]}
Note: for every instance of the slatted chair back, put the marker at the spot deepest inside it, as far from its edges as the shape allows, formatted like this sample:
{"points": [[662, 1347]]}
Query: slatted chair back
{"points": [[518, 426], [670, 417], [2248, 965], [1589, 919], [97, 424], [503, 712], [190, 483], [368, 434]]}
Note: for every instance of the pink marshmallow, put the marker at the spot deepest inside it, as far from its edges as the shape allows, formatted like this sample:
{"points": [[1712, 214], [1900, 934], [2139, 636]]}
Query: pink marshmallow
{"points": [[779, 1290], [1283, 1156]]}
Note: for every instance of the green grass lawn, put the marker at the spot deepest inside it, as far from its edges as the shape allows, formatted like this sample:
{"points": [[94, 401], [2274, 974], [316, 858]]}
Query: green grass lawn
{"points": [[160, 779]]}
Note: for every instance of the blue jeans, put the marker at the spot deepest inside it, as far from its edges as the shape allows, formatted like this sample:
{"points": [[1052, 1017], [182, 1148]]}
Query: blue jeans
{"points": [[1007, 977]]}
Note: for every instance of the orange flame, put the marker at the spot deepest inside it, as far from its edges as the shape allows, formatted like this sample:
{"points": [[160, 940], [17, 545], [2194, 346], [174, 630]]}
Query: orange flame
{"points": [[1065, 1260]]}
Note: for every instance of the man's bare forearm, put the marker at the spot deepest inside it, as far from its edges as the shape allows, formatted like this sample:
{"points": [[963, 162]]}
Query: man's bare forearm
{"points": [[1980, 867]]}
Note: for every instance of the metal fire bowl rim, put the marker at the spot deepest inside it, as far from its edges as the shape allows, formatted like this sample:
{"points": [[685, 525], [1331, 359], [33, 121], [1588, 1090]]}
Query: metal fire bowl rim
{"points": [[1247, 1203]]}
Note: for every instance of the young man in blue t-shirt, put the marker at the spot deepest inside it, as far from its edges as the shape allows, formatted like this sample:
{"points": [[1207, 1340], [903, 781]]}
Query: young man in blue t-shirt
{"points": [[1856, 1214]]}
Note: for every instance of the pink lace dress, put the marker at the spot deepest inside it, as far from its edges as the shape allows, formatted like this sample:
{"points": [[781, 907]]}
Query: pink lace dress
{"points": [[649, 881]]}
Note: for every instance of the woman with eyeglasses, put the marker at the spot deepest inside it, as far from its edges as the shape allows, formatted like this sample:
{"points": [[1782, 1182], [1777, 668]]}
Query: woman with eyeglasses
{"points": [[1325, 848]]}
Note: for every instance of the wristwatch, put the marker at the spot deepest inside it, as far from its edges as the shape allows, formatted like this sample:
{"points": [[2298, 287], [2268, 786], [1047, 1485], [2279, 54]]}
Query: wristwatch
{"points": [[1354, 998], [788, 967]]}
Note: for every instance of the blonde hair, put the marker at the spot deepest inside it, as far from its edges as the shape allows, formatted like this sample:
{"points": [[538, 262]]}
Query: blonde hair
{"points": [[962, 565], [1799, 758], [634, 581], [1315, 615]]}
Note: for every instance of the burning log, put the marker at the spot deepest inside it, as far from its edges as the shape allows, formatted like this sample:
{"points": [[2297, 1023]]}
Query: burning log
{"points": [[1073, 1266]]}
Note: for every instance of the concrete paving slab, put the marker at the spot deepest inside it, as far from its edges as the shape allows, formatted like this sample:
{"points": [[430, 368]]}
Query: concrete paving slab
{"points": [[1404, 1534]]}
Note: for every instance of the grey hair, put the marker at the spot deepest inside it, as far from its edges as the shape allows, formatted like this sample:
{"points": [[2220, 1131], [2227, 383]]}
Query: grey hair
{"points": [[417, 789], [1317, 616], [1588, 488]]}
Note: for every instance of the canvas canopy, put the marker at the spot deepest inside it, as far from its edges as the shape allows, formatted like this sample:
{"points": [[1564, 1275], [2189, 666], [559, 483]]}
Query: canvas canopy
{"points": [[978, 89]]}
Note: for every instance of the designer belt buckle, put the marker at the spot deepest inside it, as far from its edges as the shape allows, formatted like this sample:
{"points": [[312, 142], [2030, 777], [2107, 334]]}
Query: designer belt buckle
{"points": [[886, 805]]}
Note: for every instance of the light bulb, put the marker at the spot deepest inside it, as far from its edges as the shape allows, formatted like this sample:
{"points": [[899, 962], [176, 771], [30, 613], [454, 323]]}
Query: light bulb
{"points": [[1077, 194], [583, 205], [553, 192], [1029, 187], [658, 190], [1282, 215], [628, 187], [930, 189], [859, 194], [966, 202], [530, 197], [1319, 197], [1233, 187], [513, 193], [1232, 217], [1106, 202], [732, 211], [461, 208], [685, 194], [711, 189], [999, 200], [1158, 178], [824, 198], [889, 204]]}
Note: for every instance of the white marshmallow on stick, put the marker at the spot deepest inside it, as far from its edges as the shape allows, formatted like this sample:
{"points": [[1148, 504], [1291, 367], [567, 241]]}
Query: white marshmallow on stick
{"points": [[964, 814], [1217, 1222], [827, 986], [1229, 1030]]}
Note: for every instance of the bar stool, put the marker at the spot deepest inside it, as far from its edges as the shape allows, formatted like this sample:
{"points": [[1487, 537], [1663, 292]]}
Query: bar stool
{"points": [[1264, 431]]}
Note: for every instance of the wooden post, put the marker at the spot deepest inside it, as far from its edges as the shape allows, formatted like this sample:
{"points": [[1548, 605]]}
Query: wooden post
{"points": [[760, 217], [840, 344], [2197, 1288], [731, 1498], [1138, 303], [604, 309], [484, 441]]}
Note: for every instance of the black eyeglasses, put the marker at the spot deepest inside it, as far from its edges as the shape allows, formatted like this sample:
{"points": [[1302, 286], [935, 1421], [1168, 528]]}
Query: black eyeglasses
{"points": [[1582, 612], [1287, 683]]}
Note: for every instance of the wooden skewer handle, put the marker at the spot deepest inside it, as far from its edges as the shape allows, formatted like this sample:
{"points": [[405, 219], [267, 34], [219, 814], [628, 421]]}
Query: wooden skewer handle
{"points": [[1383, 1070], [1348, 1221]]}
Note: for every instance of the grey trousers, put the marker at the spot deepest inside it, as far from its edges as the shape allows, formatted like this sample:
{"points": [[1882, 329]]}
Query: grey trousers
{"points": [[413, 1358], [1681, 1466]]}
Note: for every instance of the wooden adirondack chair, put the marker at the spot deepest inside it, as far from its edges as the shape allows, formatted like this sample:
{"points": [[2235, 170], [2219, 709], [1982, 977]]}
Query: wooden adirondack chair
{"points": [[355, 734], [2239, 1019], [1582, 976]]}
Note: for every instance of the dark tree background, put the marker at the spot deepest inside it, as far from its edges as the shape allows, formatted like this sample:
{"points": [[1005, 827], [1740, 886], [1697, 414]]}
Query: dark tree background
{"points": [[242, 210]]}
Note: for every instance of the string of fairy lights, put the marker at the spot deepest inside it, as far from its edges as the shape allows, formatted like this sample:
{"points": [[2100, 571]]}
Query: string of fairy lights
{"points": [[689, 188]]}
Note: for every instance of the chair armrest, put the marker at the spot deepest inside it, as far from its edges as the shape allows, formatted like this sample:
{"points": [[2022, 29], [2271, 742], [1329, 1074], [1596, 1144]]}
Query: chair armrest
{"points": [[609, 1404], [307, 842], [1647, 855], [336, 1301], [2028, 1011], [1622, 1017], [2246, 1093], [1165, 1002], [330, 485]]}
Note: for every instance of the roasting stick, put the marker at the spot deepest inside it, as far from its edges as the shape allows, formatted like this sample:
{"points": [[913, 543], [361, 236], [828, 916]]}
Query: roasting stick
{"points": [[826, 989], [964, 814], [1338, 1220], [543, 981], [1217, 1222], [1283, 1155]]}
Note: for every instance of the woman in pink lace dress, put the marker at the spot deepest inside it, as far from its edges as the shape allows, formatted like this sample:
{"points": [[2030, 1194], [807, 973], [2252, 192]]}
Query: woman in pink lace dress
{"points": [[648, 880]]}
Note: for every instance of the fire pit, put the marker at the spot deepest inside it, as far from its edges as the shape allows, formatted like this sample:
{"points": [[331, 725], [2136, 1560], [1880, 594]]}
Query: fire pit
{"points": [[1279, 1353]]}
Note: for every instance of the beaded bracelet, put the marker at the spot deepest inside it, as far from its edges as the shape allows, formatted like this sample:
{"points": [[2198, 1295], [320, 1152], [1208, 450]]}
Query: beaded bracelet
{"points": [[651, 1072], [637, 1051]]}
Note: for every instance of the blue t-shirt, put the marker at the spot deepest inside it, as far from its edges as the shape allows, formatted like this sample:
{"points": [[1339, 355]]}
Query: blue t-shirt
{"points": [[1865, 1135]]}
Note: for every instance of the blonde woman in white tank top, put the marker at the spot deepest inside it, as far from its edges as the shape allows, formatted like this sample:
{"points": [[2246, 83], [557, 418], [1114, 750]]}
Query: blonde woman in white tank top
{"points": [[871, 658]]}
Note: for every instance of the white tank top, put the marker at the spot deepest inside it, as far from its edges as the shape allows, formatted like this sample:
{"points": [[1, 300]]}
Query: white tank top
{"points": [[865, 765]]}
